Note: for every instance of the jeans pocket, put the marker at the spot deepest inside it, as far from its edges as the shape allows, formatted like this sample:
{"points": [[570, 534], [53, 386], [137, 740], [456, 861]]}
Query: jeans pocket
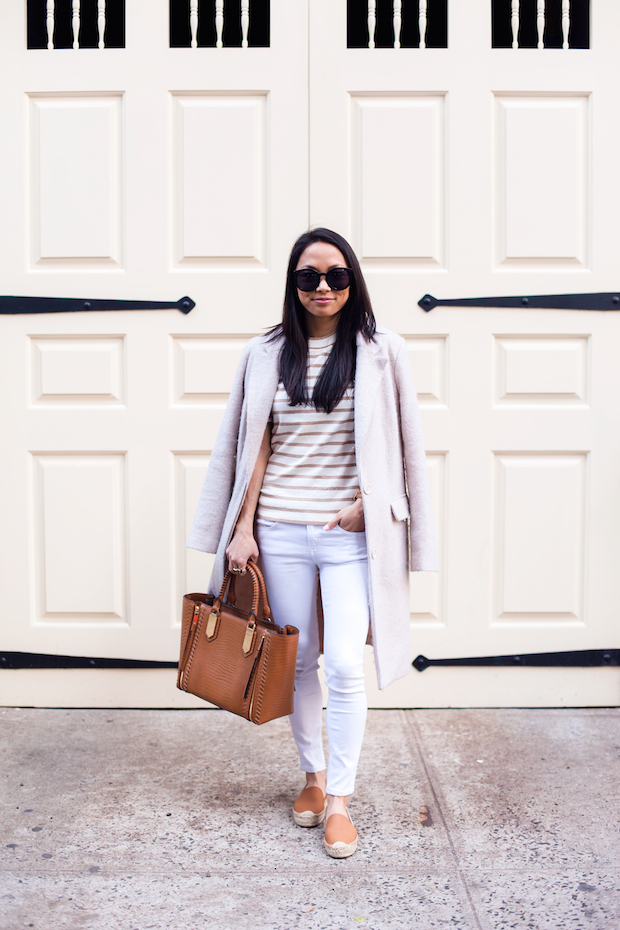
{"points": [[349, 532], [266, 524]]}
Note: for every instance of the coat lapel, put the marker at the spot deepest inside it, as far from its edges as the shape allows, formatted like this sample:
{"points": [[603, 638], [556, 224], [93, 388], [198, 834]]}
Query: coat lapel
{"points": [[261, 388], [369, 368]]}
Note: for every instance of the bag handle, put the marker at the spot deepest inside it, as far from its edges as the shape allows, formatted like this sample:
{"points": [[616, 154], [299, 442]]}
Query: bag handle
{"points": [[229, 581], [262, 604], [254, 569]]}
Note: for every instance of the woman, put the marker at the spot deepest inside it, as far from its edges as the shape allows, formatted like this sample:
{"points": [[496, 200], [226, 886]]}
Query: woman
{"points": [[319, 465]]}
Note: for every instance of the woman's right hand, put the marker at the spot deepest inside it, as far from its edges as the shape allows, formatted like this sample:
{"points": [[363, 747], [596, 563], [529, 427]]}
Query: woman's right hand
{"points": [[242, 549]]}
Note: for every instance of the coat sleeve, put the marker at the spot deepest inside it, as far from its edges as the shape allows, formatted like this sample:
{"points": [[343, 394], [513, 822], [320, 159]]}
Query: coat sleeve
{"points": [[422, 544], [220, 478]]}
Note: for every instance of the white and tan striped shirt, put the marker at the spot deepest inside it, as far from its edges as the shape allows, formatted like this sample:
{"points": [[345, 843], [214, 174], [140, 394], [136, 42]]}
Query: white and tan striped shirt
{"points": [[311, 473]]}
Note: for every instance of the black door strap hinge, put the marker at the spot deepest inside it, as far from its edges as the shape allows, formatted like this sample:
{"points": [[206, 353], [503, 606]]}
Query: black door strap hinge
{"points": [[604, 301], [584, 658], [75, 304], [13, 660]]}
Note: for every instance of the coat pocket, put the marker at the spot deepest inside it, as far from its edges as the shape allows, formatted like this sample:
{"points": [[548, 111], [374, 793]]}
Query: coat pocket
{"points": [[400, 508]]}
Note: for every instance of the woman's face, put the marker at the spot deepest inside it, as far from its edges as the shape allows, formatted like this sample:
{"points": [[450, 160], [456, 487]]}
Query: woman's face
{"points": [[323, 303]]}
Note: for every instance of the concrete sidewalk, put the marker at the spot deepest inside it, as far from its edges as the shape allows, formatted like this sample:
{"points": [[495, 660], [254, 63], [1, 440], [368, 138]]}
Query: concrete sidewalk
{"points": [[162, 820]]}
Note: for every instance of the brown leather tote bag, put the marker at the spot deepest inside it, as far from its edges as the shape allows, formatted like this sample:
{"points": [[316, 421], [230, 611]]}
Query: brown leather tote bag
{"points": [[242, 662]]}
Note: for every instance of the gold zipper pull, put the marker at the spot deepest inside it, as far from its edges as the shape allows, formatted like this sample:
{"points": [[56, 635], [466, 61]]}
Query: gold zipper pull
{"points": [[196, 612]]}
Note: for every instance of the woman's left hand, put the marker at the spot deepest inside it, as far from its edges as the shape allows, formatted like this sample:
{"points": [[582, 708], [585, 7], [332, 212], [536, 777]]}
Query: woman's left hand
{"points": [[350, 518]]}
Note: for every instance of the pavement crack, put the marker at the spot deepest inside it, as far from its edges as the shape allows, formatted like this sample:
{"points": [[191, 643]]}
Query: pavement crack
{"points": [[414, 730]]}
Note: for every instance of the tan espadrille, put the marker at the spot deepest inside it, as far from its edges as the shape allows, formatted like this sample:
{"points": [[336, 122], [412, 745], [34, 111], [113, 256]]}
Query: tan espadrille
{"points": [[309, 808], [340, 836]]}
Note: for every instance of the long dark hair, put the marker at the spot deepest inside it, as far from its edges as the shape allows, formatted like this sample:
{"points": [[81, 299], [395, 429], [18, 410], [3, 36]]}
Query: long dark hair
{"points": [[355, 317]]}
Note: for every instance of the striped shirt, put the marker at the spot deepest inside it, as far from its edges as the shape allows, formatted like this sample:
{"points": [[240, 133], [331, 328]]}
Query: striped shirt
{"points": [[311, 473]]}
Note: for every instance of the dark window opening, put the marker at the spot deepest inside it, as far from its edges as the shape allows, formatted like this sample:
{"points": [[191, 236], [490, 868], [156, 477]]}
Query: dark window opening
{"points": [[88, 35], [578, 33], [436, 27], [180, 31]]}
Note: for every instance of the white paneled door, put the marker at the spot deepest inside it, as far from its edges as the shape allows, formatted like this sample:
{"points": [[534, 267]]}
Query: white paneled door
{"points": [[151, 172], [472, 171], [145, 173]]}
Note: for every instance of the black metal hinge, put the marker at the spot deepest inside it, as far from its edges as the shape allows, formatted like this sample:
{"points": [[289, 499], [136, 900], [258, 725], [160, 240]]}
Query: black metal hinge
{"points": [[75, 304], [610, 301], [39, 660], [585, 658]]}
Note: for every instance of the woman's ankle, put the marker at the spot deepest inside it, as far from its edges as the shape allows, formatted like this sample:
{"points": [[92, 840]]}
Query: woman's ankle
{"points": [[336, 805], [315, 780]]}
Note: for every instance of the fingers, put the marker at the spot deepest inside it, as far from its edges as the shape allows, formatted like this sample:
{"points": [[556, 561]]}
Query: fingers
{"points": [[349, 519], [235, 564], [239, 556], [239, 566], [334, 520]]}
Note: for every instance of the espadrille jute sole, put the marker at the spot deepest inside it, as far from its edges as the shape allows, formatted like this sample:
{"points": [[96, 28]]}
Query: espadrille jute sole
{"points": [[340, 850], [309, 818]]}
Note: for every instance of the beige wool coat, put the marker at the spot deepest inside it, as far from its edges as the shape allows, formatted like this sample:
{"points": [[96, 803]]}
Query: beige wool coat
{"points": [[392, 477]]}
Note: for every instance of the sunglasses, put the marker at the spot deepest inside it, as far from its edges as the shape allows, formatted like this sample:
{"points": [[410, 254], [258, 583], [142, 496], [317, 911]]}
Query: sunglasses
{"points": [[307, 279]]}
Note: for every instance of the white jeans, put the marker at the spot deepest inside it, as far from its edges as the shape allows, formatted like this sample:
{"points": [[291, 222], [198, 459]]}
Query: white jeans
{"points": [[293, 556]]}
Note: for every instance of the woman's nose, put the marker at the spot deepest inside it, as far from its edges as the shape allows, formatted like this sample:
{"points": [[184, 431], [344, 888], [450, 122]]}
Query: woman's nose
{"points": [[323, 285]]}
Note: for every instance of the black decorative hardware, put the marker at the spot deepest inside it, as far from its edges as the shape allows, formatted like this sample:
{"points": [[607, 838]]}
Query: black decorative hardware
{"points": [[38, 660], [585, 658], [76, 304], [609, 301]]}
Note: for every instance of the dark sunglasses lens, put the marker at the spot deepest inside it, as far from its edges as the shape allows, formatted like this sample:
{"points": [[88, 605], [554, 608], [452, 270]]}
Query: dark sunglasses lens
{"points": [[307, 280], [338, 278]]}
